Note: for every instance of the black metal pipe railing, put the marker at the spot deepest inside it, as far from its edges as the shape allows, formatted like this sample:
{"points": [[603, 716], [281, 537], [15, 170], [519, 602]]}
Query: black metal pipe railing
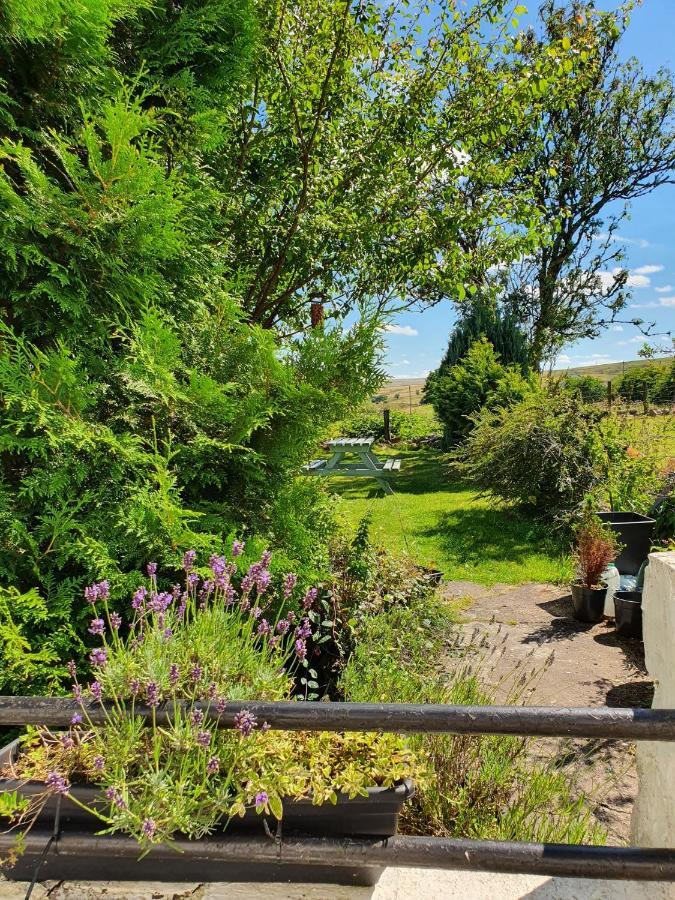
{"points": [[632, 863], [563, 860], [582, 722]]}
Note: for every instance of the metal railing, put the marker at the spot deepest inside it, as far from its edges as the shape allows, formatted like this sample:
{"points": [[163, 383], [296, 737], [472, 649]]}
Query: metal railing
{"points": [[572, 861]]}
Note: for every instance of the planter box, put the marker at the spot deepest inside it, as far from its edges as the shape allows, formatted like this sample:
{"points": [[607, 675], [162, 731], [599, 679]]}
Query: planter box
{"points": [[635, 533], [373, 816]]}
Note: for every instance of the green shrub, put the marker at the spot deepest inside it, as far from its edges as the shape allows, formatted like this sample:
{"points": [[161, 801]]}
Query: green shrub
{"points": [[402, 426], [541, 452], [478, 381], [652, 383], [588, 388]]}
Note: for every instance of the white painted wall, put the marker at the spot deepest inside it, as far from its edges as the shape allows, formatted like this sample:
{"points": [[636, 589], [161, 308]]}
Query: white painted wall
{"points": [[653, 822]]}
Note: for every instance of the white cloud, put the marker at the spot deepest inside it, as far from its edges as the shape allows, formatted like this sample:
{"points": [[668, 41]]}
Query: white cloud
{"points": [[635, 279], [638, 339], [664, 289], [662, 301], [648, 270], [617, 327], [401, 329], [620, 239], [666, 301], [563, 360]]}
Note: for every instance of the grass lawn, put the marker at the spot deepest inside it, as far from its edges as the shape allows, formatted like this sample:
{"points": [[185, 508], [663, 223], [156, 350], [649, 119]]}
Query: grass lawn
{"points": [[443, 524]]}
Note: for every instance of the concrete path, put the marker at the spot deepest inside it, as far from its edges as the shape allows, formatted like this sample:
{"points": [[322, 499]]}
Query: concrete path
{"points": [[531, 627]]}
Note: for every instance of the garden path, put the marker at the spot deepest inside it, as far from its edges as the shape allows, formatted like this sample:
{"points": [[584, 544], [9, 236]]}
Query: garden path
{"points": [[532, 626]]}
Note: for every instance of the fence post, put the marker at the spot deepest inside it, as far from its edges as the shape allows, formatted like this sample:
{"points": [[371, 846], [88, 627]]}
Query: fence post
{"points": [[387, 427], [609, 394]]}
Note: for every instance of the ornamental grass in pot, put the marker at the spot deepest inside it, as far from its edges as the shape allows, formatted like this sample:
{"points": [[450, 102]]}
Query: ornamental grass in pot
{"points": [[596, 548], [218, 637]]}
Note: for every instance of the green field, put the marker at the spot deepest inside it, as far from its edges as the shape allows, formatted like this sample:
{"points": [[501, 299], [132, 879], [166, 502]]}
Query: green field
{"points": [[440, 523], [610, 371]]}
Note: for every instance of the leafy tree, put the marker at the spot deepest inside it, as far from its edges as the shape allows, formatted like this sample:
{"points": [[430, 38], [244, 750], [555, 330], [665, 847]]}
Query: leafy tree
{"points": [[612, 142], [481, 319], [479, 380]]}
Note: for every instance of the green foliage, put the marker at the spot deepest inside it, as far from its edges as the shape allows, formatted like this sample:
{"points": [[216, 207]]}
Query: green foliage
{"points": [[481, 319], [541, 453], [587, 388], [651, 384], [478, 381], [186, 776], [403, 426], [480, 787]]}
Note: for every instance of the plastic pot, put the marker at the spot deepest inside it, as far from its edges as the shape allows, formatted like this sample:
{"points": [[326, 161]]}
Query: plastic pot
{"points": [[635, 533], [628, 613], [373, 816], [588, 603]]}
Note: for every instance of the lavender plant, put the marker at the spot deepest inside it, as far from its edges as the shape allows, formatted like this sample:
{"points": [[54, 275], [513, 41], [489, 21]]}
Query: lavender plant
{"points": [[210, 639]]}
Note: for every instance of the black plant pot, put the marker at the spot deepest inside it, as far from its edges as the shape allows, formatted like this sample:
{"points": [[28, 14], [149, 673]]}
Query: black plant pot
{"points": [[628, 613], [588, 603], [635, 533], [373, 816]]}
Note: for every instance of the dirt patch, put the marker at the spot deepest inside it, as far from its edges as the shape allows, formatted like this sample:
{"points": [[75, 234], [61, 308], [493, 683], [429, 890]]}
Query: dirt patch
{"points": [[562, 663]]}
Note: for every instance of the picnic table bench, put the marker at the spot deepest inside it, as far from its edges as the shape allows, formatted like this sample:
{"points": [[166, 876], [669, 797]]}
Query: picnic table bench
{"points": [[369, 466]]}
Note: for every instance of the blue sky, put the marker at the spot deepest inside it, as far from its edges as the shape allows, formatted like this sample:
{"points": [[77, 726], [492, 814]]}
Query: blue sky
{"points": [[418, 339]]}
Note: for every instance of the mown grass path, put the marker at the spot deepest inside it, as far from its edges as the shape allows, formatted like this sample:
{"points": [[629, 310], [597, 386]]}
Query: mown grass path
{"points": [[441, 523]]}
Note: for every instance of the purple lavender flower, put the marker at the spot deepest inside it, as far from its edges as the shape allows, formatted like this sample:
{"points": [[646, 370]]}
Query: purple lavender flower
{"points": [[264, 627], [193, 580], [283, 626], [57, 783], [139, 598], [168, 634], [262, 581], [229, 595], [115, 797], [189, 559], [152, 693], [256, 612], [291, 617], [245, 722], [103, 589], [115, 620], [195, 673], [290, 582], [175, 591], [76, 719], [91, 594], [246, 585], [300, 649], [135, 687], [305, 630], [265, 727], [266, 559], [97, 626], [98, 657], [238, 548], [212, 691], [207, 588], [98, 763], [174, 674], [204, 738], [261, 799], [148, 828], [218, 564], [274, 640], [197, 717], [67, 742], [213, 765], [309, 598], [72, 668], [152, 569], [96, 690], [220, 705], [77, 692]]}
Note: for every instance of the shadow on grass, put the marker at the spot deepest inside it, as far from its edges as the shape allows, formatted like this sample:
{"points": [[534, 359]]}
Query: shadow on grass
{"points": [[476, 535]]}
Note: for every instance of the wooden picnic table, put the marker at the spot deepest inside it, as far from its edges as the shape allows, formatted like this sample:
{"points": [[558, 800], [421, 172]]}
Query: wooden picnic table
{"points": [[369, 466]]}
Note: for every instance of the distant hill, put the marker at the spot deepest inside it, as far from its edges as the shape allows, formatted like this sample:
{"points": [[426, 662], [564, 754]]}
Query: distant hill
{"points": [[401, 393], [610, 371]]}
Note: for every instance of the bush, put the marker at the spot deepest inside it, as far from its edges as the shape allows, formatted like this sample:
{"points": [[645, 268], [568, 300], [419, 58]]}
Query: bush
{"points": [[403, 426], [588, 388], [541, 453], [652, 383], [479, 786], [478, 381]]}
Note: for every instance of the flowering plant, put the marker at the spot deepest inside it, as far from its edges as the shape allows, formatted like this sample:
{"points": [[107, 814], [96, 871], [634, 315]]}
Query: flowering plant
{"points": [[200, 643]]}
